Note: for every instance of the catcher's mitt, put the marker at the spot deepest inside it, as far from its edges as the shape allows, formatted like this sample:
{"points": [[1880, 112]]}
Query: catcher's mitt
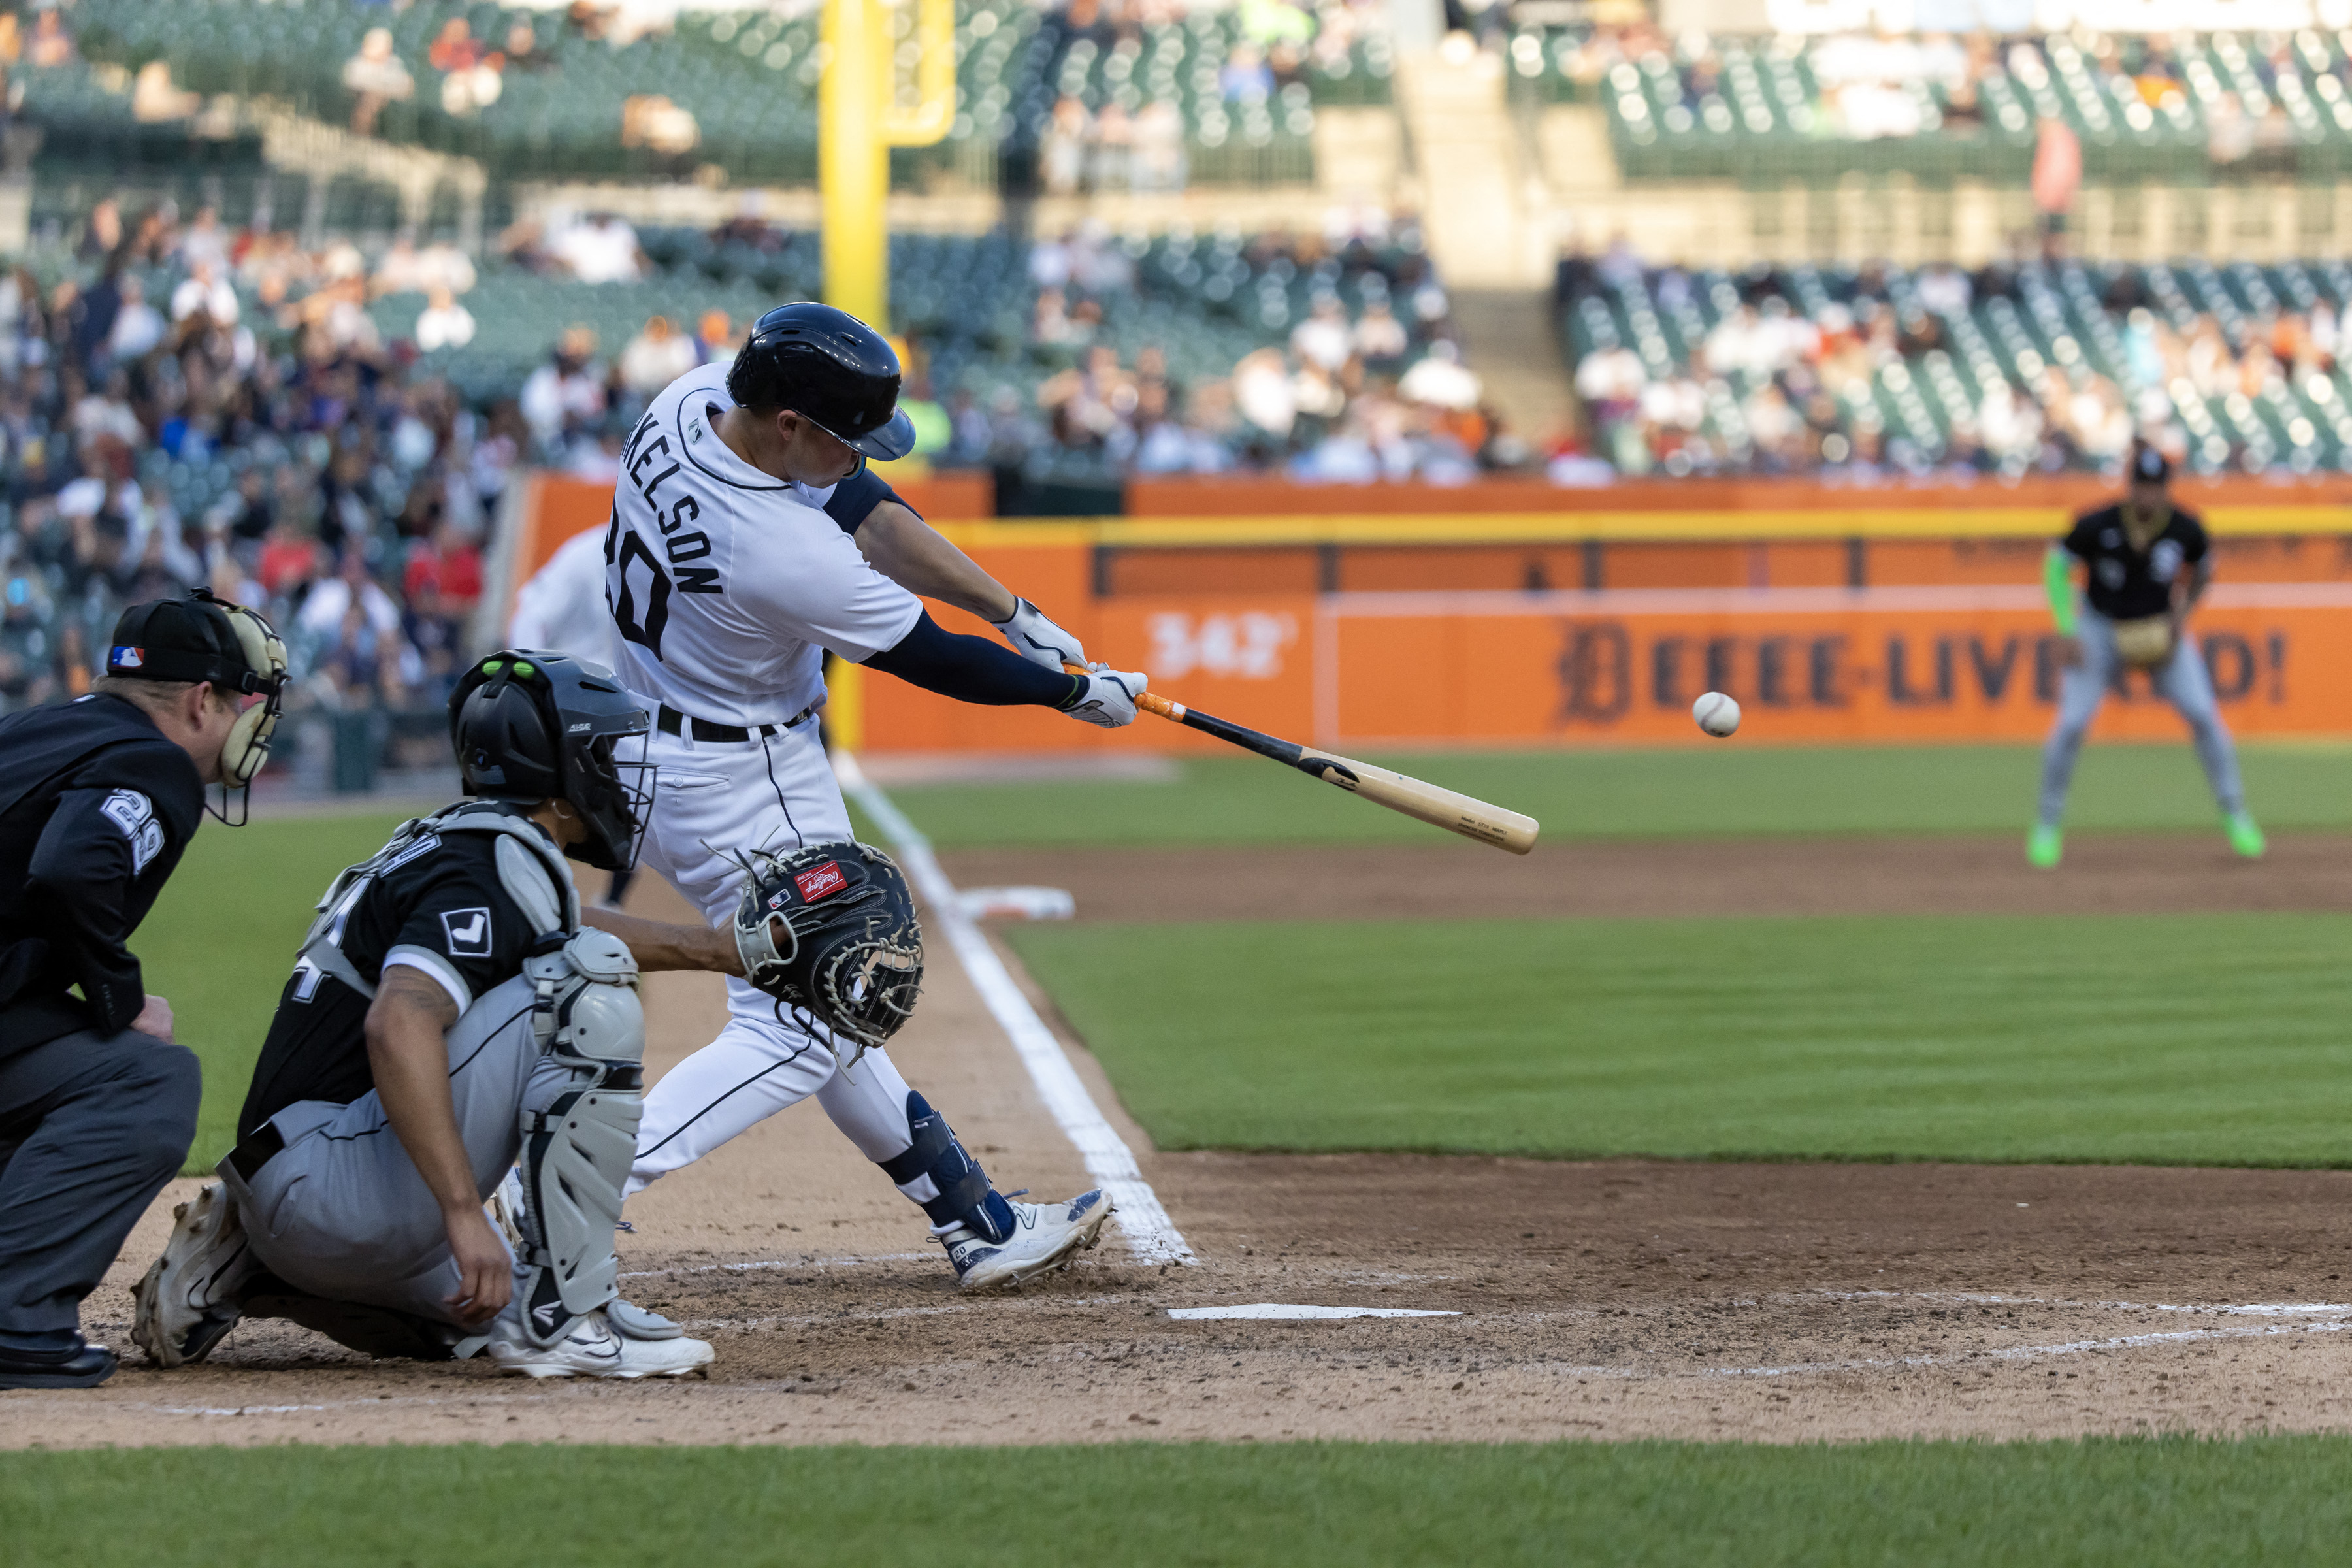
{"points": [[2143, 642], [830, 931]]}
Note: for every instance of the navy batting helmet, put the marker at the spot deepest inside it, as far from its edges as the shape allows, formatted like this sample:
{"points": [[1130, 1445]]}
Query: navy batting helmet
{"points": [[832, 369]]}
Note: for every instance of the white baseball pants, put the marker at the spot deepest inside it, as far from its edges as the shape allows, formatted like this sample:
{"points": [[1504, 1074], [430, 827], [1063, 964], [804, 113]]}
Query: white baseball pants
{"points": [[775, 791]]}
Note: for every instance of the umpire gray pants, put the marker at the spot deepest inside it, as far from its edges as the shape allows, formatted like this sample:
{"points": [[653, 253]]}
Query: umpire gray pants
{"points": [[340, 1212], [2180, 680], [91, 1126]]}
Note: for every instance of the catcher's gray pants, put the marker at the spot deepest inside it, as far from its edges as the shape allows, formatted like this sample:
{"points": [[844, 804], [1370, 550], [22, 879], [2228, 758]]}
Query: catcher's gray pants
{"points": [[2180, 680], [341, 1211], [91, 1126]]}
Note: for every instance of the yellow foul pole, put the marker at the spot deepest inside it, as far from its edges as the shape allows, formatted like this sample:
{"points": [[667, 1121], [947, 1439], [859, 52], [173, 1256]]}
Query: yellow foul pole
{"points": [[859, 120]]}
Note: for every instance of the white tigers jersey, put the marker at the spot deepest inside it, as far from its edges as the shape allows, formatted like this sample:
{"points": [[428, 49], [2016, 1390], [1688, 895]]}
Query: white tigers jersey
{"points": [[725, 583]]}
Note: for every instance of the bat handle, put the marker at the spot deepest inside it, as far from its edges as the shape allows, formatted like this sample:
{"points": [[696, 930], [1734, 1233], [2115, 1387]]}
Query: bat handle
{"points": [[1148, 701]]}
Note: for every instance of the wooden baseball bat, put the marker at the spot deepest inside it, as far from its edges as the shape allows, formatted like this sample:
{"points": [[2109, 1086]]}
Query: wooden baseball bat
{"points": [[1399, 792]]}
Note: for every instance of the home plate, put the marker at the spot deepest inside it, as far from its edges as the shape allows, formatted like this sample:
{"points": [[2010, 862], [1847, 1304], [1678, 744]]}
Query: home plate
{"points": [[1283, 1309]]}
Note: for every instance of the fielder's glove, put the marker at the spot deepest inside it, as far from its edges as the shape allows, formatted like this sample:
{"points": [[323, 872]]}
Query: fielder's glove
{"points": [[1039, 640], [1108, 699]]}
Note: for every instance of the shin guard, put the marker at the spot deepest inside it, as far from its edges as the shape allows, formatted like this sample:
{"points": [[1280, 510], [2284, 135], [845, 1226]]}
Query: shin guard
{"points": [[577, 1152], [947, 1181]]}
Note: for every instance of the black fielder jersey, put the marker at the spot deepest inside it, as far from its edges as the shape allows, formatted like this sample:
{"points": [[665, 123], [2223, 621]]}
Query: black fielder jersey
{"points": [[439, 907], [2125, 584]]}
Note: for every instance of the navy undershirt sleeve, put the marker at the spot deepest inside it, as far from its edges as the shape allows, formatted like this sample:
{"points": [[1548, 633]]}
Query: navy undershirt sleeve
{"points": [[975, 669], [855, 499]]}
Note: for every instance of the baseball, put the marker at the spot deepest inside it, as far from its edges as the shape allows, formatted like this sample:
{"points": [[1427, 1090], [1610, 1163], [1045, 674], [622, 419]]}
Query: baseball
{"points": [[1717, 714]]}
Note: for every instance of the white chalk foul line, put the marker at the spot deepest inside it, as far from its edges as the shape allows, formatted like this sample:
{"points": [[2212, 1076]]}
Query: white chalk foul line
{"points": [[1288, 1313], [2027, 1352], [760, 1265], [1151, 1234]]}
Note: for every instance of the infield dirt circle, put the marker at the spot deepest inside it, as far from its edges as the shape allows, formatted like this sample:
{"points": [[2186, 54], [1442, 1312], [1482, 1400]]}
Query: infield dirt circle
{"points": [[1608, 1299]]}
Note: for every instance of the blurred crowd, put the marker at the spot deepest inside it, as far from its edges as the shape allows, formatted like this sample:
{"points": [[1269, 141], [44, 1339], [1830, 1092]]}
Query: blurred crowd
{"points": [[1775, 387], [1352, 393], [183, 405], [1867, 86]]}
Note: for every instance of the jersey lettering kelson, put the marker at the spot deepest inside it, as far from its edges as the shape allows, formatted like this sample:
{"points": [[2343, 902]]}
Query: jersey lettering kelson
{"points": [[726, 584]]}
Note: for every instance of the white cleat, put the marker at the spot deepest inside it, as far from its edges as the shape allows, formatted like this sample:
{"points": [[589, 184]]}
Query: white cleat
{"points": [[592, 1347], [1044, 1236], [184, 1304]]}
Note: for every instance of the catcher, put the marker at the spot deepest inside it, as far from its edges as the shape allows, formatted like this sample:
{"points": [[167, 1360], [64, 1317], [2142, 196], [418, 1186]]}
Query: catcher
{"points": [[452, 994], [2149, 562]]}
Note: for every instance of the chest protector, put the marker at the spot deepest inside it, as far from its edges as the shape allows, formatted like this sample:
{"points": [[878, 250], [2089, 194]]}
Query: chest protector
{"points": [[531, 869]]}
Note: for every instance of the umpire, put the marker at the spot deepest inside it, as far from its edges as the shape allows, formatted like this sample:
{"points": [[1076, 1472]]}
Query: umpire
{"points": [[98, 798]]}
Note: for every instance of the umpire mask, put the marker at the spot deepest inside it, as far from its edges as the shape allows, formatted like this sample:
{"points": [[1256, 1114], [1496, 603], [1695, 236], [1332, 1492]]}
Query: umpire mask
{"points": [[533, 726], [202, 638]]}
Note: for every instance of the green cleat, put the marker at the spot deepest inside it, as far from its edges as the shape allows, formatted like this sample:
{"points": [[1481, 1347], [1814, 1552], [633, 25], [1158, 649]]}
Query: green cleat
{"points": [[2245, 835], [2045, 844]]}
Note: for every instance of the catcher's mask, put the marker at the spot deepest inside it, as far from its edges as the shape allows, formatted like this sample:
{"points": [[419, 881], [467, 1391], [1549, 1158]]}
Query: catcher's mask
{"points": [[830, 931], [202, 638], [534, 726]]}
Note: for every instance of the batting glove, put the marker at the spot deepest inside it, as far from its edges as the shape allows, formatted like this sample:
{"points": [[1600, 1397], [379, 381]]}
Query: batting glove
{"points": [[1109, 698], [1039, 640]]}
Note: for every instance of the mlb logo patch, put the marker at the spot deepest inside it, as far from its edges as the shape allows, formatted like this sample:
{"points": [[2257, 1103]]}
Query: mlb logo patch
{"points": [[126, 658], [468, 932], [820, 881]]}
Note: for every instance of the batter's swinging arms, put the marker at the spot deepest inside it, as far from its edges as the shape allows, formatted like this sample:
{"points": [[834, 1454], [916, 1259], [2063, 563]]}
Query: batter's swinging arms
{"points": [[727, 582]]}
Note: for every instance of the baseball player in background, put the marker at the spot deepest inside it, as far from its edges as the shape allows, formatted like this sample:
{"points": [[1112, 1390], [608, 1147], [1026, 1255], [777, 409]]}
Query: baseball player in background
{"points": [[562, 610], [2149, 561], [727, 582]]}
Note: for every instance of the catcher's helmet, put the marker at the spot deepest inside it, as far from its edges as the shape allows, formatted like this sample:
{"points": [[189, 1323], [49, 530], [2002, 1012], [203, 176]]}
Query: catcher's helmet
{"points": [[832, 369], [831, 929], [532, 726]]}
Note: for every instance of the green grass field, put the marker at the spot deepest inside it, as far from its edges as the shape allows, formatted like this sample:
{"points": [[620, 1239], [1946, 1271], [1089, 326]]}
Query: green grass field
{"points": [[1728, 790], [2148, 1504], [2162, 1039]]}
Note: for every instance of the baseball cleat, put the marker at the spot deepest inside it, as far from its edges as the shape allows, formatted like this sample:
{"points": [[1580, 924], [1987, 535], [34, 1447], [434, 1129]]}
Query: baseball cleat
{"points": [[186, 1301], [592, 1347], [2245, 835], [2044, 846], [1044, 1236]]}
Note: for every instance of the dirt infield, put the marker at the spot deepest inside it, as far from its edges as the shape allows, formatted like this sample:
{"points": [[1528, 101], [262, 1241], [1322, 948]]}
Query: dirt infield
{"points": [[1601, 1300], [2107, 874]]}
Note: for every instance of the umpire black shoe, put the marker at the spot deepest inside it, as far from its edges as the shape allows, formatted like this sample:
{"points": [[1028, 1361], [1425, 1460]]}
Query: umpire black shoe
{"points": [[79, 1365]]}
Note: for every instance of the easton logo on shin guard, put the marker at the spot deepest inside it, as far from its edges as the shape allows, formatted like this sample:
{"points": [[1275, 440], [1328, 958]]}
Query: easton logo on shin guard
{"points": [[949, 1182]]}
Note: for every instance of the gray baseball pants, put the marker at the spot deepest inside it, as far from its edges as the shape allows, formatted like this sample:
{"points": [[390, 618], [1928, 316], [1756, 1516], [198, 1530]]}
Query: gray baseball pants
{"points": [[2180, 680], [340, 1212], [91, 1126]]}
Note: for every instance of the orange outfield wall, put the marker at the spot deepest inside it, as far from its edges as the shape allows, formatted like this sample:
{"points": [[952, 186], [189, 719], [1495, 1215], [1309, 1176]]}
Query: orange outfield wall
{"points": [[1954, 662]]}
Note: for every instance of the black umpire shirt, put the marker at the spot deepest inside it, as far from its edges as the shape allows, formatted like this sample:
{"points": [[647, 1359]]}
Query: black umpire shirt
{"points": [[2125, 584], [96, 807], [439, 907]]}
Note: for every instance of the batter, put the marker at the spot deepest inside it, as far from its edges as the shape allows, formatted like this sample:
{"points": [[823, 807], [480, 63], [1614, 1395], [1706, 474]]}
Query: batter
{"points": [[727, 582]]}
